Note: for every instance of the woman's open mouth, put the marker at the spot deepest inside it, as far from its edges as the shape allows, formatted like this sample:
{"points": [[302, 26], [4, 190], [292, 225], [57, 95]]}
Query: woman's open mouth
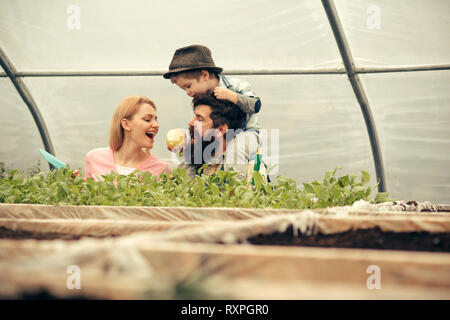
{"points": [[151, 135]]}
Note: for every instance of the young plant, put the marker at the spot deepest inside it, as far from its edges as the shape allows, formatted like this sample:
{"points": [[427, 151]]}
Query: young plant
{"points": [[224, 189]]}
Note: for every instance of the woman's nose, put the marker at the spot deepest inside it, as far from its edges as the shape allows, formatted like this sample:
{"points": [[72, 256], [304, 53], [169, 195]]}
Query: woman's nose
{"points": [[191, 123]]}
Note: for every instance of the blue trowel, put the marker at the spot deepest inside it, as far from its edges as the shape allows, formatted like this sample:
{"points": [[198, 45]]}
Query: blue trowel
{"points": [[58, 164]]}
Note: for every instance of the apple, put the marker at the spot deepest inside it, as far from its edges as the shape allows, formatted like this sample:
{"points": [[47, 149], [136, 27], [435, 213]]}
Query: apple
{"points": [[175, 139]]}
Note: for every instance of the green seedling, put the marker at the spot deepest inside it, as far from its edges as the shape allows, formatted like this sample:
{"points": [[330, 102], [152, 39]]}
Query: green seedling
{"points": [[65, 187]]}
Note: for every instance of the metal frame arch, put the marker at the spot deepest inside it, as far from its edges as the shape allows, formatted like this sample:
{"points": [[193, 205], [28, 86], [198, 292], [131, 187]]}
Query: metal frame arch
{"points": [[29, 101], [358, 89]]}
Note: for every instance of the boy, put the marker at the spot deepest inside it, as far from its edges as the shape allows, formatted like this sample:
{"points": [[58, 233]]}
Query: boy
{"points": [[193, 70]]}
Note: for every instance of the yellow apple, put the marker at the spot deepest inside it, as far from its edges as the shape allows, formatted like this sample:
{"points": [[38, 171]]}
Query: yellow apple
{"points": [[174, 138]]}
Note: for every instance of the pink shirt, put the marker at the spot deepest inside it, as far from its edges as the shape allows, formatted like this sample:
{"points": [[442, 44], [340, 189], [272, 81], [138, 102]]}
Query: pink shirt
{"points": [[100, 161]]}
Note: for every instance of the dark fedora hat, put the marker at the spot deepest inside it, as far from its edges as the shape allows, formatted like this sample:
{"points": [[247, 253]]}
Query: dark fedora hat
{"points": [[194, 57]]}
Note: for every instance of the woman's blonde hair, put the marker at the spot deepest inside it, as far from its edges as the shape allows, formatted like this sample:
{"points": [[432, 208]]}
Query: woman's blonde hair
{"points": [[125, 110]]}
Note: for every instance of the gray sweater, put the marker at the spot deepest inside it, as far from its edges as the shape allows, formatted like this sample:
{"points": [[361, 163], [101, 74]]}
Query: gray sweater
{"points": [[248, 101]]}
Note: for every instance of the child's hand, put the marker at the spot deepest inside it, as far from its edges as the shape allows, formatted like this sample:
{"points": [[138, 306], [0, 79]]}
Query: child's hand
{"points": [[225, 94]]}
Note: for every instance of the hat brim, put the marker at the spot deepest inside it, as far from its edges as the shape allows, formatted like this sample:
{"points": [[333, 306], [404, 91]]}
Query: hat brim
{"points": [[169, 74]]}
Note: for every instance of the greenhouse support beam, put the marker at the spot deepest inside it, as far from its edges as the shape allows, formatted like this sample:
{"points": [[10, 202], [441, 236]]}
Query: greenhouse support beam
{"points": [[144, 73], [149, 73], [434, 67], [29, 101], [358, 89]]}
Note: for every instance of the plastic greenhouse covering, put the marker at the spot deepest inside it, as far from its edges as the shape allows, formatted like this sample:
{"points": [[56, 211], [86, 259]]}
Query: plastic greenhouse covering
{"points": [[78, 59]]}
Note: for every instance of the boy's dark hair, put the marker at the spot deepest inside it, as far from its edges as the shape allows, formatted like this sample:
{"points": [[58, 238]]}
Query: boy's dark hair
{"points": [[192, 74], [222, 111]]}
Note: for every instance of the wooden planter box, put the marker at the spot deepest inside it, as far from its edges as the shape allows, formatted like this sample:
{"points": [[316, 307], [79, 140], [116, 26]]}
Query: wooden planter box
{"points": [[153, 250]]}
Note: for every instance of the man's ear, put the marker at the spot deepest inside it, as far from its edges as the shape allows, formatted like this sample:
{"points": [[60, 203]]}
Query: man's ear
{"points": [[124, 124], [223, 129]]}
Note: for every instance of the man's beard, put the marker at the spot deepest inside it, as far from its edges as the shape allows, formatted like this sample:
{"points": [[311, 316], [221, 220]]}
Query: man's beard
{"points": [[202, 149]]}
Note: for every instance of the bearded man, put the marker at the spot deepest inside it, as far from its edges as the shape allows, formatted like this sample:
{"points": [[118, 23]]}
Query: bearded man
{"points": [[217, 138]]}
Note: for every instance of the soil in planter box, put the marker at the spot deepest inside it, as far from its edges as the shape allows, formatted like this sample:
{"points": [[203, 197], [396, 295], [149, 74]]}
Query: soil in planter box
{"points": [[43, 294], [366, 239], [6, 233]]}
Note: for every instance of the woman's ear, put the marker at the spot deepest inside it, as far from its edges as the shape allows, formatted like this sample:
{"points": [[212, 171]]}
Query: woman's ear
{"points": [[124, 124]]}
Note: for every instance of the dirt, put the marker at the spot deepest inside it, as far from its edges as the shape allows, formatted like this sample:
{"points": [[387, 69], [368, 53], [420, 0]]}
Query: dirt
{"points": [[365, 239], [6, 233], [42, 294]]}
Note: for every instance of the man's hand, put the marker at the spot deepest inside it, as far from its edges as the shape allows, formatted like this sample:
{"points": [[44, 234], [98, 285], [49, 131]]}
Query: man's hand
{"points": [[225, 94]]}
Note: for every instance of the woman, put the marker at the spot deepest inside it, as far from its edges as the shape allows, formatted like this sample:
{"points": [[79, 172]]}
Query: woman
{"points": [[133, 129]]}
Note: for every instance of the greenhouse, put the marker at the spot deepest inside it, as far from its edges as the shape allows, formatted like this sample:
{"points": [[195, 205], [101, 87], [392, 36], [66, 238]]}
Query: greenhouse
{"points": [[356, 91]]}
